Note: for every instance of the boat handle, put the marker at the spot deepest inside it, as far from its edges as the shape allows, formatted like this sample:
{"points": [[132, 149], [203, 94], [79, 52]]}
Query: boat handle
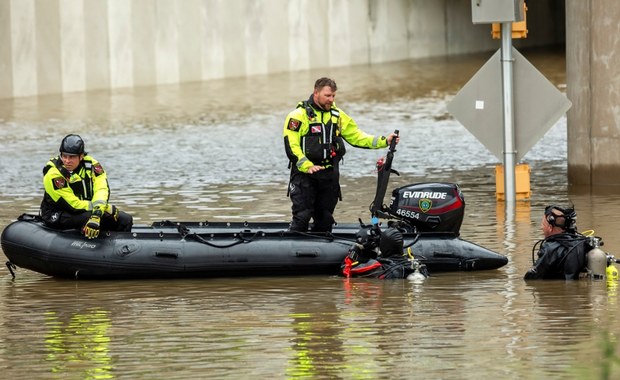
{"points": [[167, 255], [306, 254]]}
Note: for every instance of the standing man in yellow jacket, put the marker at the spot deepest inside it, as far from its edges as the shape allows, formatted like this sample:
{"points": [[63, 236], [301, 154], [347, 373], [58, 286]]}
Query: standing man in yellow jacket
{"points": [[77, 192], [314, 136]]}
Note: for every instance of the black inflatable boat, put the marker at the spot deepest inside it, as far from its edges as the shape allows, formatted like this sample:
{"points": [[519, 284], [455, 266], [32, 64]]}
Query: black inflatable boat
{"points": [[193, 249], [429, 216]]}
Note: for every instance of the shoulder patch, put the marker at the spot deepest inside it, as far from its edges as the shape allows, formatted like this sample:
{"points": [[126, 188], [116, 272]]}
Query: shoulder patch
{"points": [[59, 183], [293, 124], [98, 169]]}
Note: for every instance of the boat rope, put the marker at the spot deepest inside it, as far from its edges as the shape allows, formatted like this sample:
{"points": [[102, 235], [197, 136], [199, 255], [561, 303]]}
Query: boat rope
{"points": [[240, 240], [11, 267], [326, 235], [183, 230], [243, 240]]}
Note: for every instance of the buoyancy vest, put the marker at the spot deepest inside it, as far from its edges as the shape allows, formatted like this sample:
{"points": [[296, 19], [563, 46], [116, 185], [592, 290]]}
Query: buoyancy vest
{"points": [[322, 144], [83, 187]]}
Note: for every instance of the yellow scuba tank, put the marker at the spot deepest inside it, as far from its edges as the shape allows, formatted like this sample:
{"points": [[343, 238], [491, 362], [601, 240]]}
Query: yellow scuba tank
{"points": [[612, 277], [611, 272]]}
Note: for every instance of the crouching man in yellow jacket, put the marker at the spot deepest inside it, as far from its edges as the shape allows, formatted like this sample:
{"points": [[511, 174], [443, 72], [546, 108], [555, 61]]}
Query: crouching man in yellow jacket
{"points": [[77, 192]]}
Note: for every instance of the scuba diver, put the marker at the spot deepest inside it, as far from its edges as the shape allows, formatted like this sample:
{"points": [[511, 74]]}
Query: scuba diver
{"points": [[379, 254], [563, 251]]}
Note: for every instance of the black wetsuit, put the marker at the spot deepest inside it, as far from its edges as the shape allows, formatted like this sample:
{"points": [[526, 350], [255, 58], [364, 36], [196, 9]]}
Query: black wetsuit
{"points": [[561, 256]]}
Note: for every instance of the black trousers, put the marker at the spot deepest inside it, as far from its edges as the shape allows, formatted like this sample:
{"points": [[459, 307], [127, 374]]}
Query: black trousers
{"points": [[65, 221], [314, 196]]}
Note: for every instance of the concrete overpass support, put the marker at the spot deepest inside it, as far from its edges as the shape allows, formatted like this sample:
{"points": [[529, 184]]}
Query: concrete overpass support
{"points": [[593, 85]]}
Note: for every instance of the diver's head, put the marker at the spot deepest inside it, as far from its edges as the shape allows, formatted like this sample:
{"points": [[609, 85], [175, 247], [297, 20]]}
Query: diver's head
{"points": [[391, 243], [558, 219]]}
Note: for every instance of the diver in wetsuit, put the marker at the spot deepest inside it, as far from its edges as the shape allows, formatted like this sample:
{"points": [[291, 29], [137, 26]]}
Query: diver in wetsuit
{"points": [[379, 254], [562, 253]]}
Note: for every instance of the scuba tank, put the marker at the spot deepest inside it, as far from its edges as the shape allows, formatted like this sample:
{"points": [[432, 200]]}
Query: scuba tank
{"points": [[612, 274], [596, 260], [611, 271]]}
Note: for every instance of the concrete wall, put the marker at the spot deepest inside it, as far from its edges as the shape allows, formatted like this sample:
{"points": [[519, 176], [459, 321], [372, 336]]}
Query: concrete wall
{"points": [[56, 46], [593, 85]]}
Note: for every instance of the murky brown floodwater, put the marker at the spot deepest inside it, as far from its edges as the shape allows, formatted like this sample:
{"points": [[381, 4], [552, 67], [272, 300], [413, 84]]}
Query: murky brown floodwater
{"points": [[213, 151]]}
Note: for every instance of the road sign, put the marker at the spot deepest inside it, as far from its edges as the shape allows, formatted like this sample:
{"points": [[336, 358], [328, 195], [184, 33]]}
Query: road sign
{"points": [[538, 104]]}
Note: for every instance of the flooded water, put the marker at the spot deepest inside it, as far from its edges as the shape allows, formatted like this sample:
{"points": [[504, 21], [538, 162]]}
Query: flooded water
{"points": [[213, 151]]}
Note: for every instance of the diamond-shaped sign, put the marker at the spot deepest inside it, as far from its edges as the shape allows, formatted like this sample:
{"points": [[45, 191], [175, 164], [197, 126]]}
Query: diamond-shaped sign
{"points": [[538, 104]]}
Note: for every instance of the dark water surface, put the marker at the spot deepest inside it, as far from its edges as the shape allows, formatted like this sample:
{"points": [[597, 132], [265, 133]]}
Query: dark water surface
{"points": [[213, 151]]}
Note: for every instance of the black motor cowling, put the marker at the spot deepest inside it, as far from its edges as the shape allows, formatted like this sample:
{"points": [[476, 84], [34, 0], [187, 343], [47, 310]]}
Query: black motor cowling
{"points": [[430, 207]]}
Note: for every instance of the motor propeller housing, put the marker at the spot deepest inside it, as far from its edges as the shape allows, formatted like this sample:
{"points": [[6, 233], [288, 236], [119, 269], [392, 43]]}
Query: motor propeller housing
{"points": [[430, 207]]}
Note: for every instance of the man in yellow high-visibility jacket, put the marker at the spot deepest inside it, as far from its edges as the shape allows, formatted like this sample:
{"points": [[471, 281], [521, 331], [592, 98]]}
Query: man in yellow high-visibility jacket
{"points": [[314, 136], [77, 192]]}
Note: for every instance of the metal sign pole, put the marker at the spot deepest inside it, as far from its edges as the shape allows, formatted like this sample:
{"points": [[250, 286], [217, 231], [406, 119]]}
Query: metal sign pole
{"points": [[510, 153]]}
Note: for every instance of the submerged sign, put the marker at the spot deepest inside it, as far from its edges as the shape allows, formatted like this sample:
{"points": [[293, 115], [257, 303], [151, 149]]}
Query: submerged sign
{"points": [[538, 104]]}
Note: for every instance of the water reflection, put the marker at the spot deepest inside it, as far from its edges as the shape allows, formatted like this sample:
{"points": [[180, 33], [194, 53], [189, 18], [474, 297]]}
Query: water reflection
{"points": [[80, 342], [304, 327]]}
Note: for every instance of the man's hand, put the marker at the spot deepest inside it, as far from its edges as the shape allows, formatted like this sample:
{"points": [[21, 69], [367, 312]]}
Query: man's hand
{"points": [[91, 228], [315, 169], [113, 211], [391, 137]]}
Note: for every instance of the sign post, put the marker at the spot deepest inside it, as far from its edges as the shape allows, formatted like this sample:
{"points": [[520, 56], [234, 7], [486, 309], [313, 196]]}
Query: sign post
{"points": [[508, 107]]}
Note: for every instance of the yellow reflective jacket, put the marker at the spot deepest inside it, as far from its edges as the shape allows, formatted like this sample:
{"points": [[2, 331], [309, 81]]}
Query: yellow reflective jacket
{"points": [[82, 190], [313, 136]]}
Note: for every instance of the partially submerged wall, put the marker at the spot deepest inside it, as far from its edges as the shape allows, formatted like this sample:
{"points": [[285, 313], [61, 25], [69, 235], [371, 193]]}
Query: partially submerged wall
{"points": [[56, 46]]}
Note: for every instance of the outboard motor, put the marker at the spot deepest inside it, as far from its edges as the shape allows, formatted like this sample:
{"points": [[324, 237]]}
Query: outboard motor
{"points": [[430, 207]]}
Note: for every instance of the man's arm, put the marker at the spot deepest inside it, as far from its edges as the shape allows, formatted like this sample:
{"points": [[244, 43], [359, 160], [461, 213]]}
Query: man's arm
{"points": [[101, 188], [356, 137], [546, 259], [295, 126], [57, 188]]}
